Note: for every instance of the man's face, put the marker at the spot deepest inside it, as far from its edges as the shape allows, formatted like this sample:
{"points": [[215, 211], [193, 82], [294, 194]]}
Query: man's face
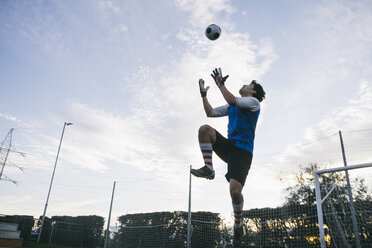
{"points": [[247, 90]]}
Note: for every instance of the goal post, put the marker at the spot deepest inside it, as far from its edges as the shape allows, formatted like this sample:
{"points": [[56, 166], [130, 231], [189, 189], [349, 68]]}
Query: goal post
{"points": [[332, 189]]}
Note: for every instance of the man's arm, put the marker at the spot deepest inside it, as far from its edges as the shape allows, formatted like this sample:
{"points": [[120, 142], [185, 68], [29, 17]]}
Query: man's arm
{"points": [[203, 92], [220, 82], [207, 107], [230, 98]]}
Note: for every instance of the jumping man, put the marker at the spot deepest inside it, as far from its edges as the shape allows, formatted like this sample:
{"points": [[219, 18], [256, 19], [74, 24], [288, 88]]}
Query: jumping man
{"points": [[237, 149]]}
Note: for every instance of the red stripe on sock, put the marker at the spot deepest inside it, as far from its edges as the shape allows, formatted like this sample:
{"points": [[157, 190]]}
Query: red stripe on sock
{"points": [[210, 151], [209, 163]]}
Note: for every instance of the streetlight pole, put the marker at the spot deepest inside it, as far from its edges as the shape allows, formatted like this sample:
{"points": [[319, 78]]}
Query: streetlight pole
{"points": [[51, 181]]}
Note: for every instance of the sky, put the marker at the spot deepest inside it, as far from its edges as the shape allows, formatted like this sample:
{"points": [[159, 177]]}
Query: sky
{"points": [[126, 74]]}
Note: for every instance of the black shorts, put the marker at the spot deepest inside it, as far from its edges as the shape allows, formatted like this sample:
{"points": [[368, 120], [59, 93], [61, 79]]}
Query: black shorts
{"points": [[238, 160]]}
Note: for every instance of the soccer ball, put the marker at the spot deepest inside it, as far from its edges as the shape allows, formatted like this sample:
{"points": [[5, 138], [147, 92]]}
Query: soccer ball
{"points": [[213, 31]]}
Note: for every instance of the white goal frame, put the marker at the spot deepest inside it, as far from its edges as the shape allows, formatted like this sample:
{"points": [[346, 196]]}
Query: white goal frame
{"points": [[319, 200]]}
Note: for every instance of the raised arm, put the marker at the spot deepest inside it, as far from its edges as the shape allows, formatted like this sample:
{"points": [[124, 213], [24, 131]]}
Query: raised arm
{"points": [[203, 92], [230, 98], [220, 81], [207, 107]]}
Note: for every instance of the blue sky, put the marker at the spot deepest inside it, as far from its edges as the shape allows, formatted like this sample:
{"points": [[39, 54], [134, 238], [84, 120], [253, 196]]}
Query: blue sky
{"points": [[126, 72]]}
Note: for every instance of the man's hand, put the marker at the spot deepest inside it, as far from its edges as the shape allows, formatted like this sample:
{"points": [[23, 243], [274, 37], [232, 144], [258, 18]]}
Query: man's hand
{"points": [[218, 78], [203, 90]]}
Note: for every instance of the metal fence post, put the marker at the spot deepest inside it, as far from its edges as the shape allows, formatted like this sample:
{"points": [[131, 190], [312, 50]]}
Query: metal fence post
{"points": [[319, 210], [351, 201], [189, 215]]}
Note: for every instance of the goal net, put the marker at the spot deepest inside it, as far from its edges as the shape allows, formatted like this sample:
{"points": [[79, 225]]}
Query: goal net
{"points": [[168, 229], [284, 226], [344, 206]]}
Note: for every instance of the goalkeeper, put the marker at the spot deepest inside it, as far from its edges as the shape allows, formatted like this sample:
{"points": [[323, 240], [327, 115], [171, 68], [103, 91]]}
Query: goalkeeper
{"points": [[237, 149]]}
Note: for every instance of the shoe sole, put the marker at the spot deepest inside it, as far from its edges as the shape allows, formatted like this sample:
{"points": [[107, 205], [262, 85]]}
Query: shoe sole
{"points": [[195, 173]]}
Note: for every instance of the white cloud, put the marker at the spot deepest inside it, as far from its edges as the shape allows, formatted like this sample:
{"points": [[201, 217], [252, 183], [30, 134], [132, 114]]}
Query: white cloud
{"points": [[351, 20], [9, 117], [206, 12], [123, 28], [332, 46], [109, 5], [165, 36], [61, 206], [159, 133], [171, 95], [320, 143]]}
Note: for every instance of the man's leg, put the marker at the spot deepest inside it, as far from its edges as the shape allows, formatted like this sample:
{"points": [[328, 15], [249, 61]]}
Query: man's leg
{"points": [[207, 137], [237, 202], [207, 134]]}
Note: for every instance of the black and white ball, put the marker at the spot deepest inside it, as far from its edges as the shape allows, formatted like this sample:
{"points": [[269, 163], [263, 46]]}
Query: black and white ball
{"points": [[213, 32]]}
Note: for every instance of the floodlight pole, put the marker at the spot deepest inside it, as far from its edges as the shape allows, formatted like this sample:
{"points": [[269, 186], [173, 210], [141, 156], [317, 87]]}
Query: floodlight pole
{"points": [[109, 218], [352, 208], [51, 181], [189, 215]]}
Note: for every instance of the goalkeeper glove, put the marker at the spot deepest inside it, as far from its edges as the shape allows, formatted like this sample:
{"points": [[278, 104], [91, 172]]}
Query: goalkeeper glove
{"points": [[203, 90], [218, 78]]}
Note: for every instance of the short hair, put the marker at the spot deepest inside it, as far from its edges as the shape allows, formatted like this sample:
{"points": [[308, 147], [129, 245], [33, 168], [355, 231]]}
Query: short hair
{"points": [[260, 93]]}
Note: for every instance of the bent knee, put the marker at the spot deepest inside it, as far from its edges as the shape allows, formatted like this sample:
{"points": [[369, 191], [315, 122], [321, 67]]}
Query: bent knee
{"points": [[207, 134], [206, 129]]}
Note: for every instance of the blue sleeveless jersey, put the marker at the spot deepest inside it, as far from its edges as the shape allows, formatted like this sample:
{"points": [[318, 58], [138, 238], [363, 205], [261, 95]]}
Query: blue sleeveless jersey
{"points": [[241, 127]]}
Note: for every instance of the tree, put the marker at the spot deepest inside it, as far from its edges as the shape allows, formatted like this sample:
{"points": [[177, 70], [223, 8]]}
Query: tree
{"points": [[66, 231], [152, 229], [168, 229], [86, 231], [206, 229], [92, 230], [280, 227]]}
